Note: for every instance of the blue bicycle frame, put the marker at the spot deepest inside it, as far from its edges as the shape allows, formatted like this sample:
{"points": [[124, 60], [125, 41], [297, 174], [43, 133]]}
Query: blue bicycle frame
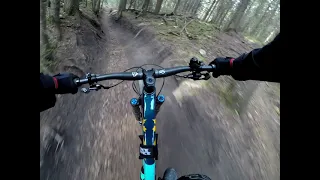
{"points": [[148, 171], [150, 105]]}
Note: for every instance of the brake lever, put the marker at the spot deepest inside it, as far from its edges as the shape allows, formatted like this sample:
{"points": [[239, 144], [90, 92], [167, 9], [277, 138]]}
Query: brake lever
{"points": [[206, 76], [198, 76], [94, 87]]}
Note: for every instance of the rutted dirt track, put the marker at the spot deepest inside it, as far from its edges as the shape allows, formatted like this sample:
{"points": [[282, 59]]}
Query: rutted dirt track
{"points": [[100, 134]]}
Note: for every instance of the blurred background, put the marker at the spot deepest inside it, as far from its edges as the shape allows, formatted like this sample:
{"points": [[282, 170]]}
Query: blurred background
{"points": [[223, 128]]}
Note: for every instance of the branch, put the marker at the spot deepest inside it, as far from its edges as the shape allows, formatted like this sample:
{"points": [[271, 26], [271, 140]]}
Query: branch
{"points": [[164, 19], [173, 33], [185, 26], [139, 32]]}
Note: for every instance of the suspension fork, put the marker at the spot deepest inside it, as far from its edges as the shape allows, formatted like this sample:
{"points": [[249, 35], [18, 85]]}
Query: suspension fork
{"points": [[136, 103]]}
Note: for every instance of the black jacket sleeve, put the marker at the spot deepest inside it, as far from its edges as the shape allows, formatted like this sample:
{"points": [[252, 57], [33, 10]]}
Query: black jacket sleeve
{"points": [[260, 64], [47, 95]]}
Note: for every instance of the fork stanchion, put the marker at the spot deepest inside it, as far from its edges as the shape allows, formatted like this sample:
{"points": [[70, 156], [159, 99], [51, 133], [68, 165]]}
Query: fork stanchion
{"points": [[135, 107], [159, 102]]}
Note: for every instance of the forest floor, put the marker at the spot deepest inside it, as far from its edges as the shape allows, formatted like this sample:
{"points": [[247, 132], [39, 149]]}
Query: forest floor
{"points": [[222, 128]]}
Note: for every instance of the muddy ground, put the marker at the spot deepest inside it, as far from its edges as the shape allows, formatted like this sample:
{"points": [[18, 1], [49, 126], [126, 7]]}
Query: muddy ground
{"points": [[95, 135]]}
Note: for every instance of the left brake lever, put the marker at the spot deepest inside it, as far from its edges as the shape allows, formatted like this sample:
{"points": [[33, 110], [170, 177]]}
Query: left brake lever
{"points": [[94, 87]]}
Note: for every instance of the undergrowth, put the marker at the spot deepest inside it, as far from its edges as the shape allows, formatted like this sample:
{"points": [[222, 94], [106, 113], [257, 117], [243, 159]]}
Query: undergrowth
{"points": [[47, 60]]}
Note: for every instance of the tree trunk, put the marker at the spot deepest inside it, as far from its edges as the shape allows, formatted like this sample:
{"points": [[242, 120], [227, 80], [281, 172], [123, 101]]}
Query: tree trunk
{"points": [[96, 6], [237, 16], [255, 28], [257, 11], [135, 4], [150, 6], [185, 3], [122, 7], [247, 15], [55, 16], [272, 14], [249, 7], [43, 24], [158, 6], [176, 7], [43, 30], [212, 10], [145, 6], [219, 13], [195, 7], [131, 3], [208, 11], [189, 7], [186, 6], [269, 23], [223, 16], [71, 7]]}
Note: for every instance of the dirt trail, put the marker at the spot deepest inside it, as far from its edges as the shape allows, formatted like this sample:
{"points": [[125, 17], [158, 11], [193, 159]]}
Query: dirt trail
{"points": [[101, 135]]}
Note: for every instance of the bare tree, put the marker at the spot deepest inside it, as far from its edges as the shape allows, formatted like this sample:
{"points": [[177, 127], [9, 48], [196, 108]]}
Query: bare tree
{"points": [[212, 11], [195, 7], [273, 13], [132, 2], [158, 6], [176, 6], [101, 4], [219, 12], [150, 6], [266, 19], [135, 4], [145, 6], [254, 18], [186, 5], [268, 25], [43, 24], [209, 10], [248, 16], [122, 7], [71, 7], [237, 16], [55, 16], [262, 18], [46, 53], [96, 6], [189, 6], [227, 9]]}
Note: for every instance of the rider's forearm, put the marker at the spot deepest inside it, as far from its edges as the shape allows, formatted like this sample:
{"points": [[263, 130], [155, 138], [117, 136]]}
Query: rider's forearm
{"points": [[47, 100], [47, 95], [259, 64], [46, 83]]}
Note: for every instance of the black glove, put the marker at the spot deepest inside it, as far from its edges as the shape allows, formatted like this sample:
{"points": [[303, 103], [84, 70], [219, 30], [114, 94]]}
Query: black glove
{"points": [[223, 66], [65, 83]]}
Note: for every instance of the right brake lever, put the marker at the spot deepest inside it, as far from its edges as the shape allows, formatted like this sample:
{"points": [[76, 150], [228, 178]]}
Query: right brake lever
{"points": [[85, 90], [198, 76]]}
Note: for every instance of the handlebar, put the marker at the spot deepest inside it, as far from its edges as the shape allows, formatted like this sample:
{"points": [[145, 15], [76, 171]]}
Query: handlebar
{"points": [[158, 73]]}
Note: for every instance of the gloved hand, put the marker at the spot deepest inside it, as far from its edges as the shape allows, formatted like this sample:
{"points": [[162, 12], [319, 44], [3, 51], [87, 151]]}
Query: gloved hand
{"points": [[223, 66], [64, 83]]}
